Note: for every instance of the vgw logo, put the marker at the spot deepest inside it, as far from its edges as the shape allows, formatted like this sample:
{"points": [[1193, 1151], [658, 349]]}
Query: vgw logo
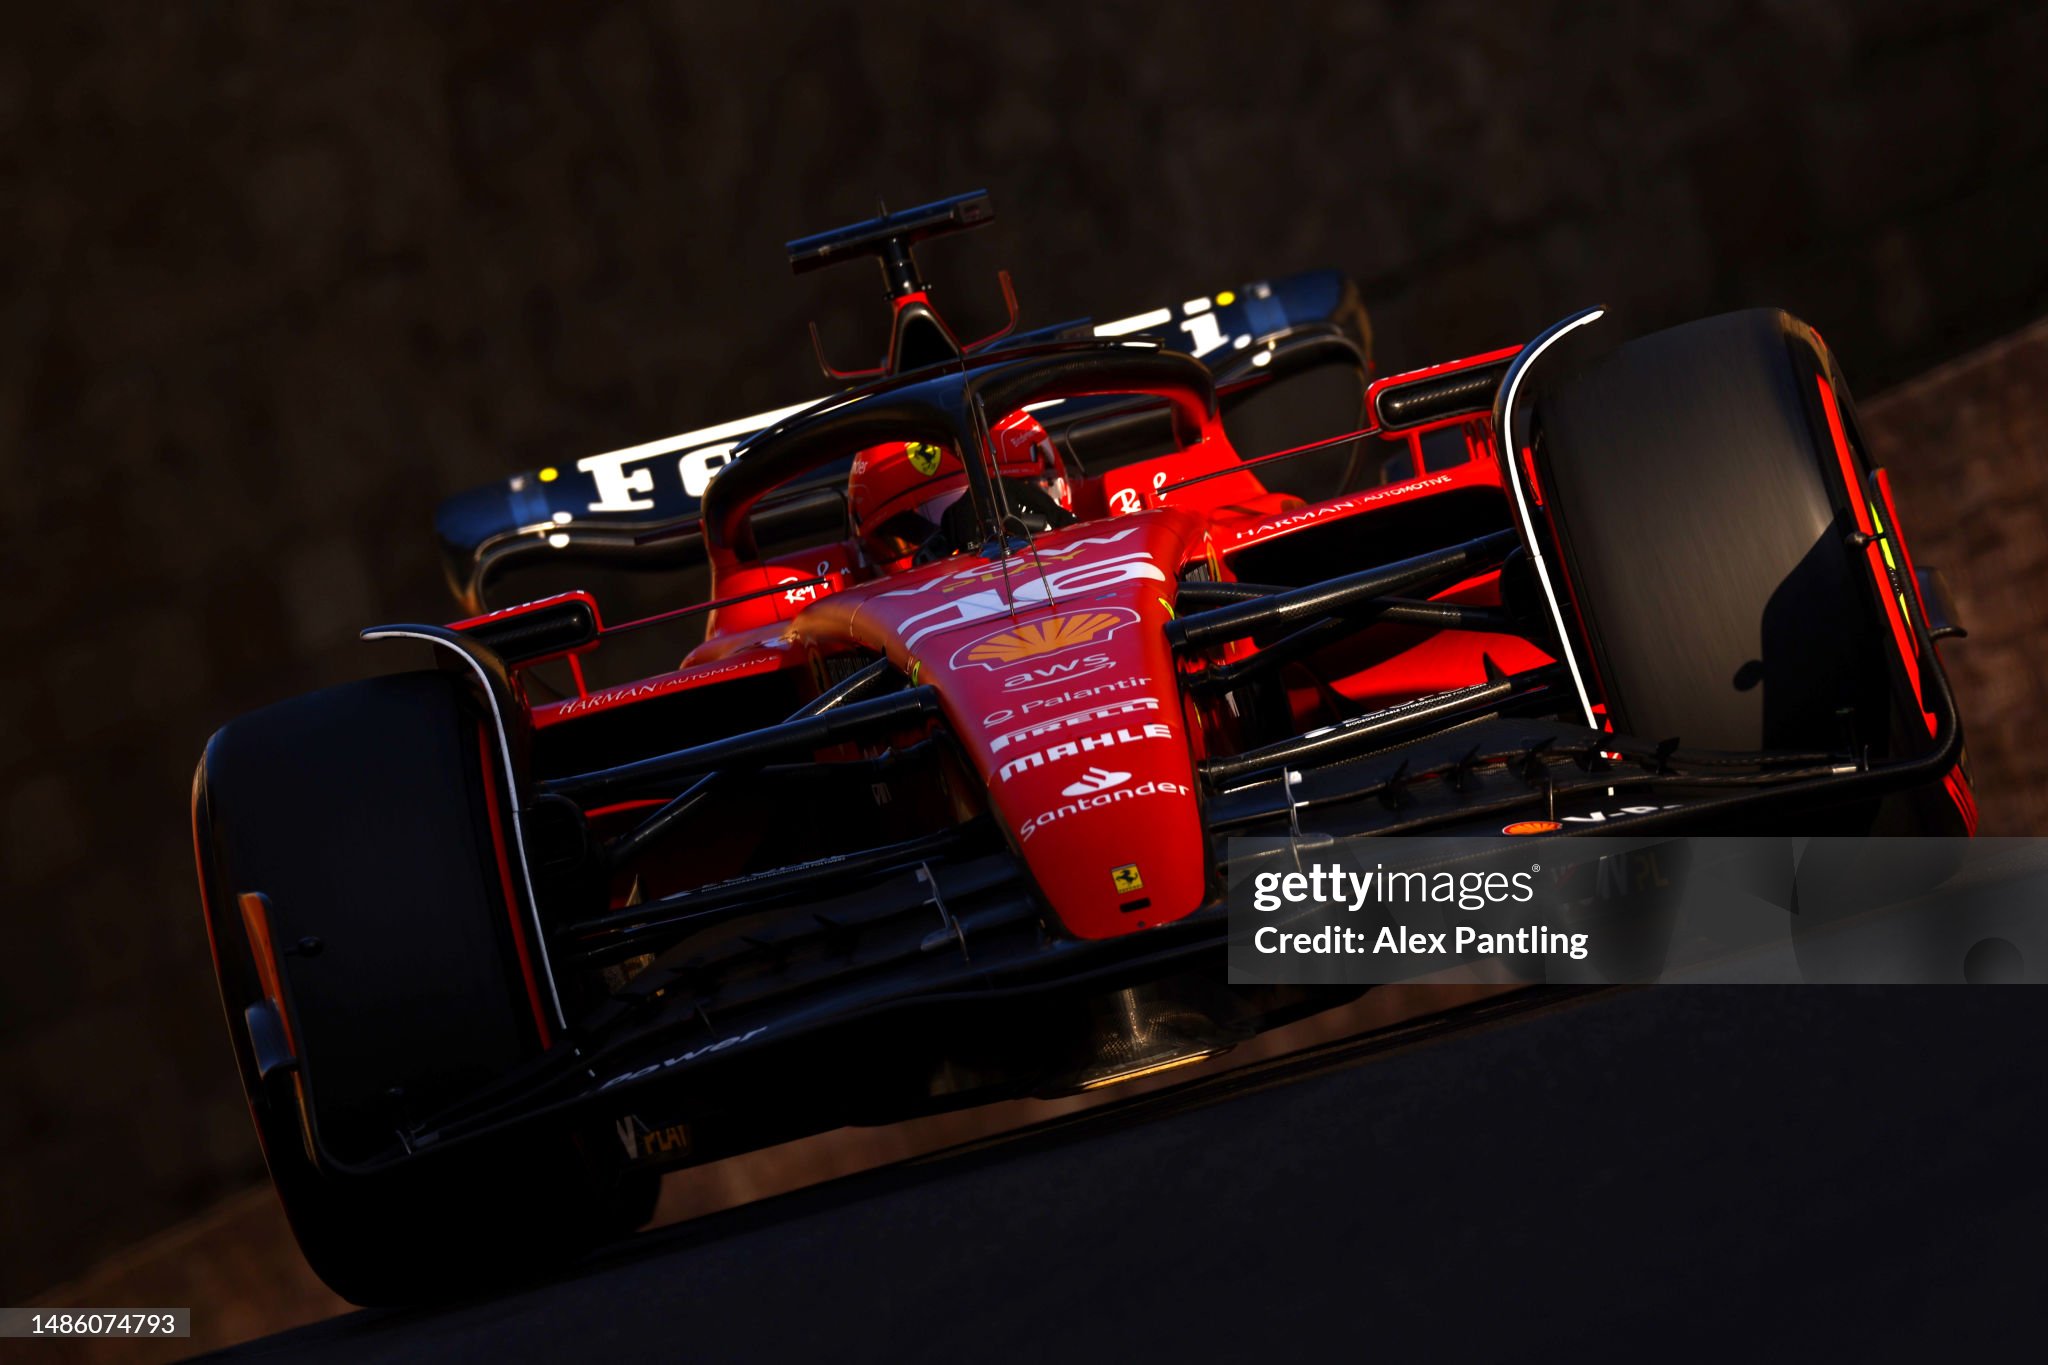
{"points": [[1028, 588]]}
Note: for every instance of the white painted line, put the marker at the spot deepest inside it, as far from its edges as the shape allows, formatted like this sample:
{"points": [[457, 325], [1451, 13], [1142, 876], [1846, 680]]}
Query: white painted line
{"points": [[1511, 454], [1140, 323]]}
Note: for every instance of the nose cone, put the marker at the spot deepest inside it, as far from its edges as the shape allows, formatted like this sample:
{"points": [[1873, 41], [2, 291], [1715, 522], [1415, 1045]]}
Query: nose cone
{"points": [[1058, 680], [1093, 778]]}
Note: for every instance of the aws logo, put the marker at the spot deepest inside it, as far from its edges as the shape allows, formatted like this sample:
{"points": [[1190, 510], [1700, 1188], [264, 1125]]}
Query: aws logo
{"points": [[1062, 670], [1039, 639]]}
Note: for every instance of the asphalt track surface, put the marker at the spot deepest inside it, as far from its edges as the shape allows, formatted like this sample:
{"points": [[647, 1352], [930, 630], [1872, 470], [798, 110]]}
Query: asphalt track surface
{"points": [[1682, 1172]]}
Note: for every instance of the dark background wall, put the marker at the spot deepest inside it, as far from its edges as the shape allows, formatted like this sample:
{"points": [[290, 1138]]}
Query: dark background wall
{"points": [[275, 278]]}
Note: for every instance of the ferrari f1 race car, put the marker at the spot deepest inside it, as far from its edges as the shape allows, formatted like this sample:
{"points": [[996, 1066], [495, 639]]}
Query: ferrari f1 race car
{"points": [[924, 803]]}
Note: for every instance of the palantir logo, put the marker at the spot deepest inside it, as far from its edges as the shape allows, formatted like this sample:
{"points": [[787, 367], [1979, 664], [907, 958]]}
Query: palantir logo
{"points": [[1095, 780]]}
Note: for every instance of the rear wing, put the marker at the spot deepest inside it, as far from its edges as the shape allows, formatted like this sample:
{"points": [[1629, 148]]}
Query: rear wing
{"points": [[640, 506]]}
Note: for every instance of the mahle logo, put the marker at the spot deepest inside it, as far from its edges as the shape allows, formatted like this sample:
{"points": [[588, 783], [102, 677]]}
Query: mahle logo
{"points": [[1086, 744]]}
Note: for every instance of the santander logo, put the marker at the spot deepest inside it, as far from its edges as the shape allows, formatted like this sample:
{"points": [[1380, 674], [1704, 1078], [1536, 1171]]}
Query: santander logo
{"points": [[1093, 781]]}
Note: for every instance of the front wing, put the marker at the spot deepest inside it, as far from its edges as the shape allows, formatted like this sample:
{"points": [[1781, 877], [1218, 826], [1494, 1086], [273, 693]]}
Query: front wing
{"points": [[839, 952]]}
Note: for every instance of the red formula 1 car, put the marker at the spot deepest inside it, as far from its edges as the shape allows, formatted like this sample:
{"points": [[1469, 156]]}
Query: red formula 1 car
{"points": [[1001, 641]]}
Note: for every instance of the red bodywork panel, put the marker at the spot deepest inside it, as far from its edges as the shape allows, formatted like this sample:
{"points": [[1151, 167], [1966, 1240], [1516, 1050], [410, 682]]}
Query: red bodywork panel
{"points": [[1053, 670], [682, 680]]}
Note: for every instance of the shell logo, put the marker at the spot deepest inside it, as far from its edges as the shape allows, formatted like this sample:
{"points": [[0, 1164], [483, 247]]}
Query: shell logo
{"points": [[1532, 827], [1036, 639]]}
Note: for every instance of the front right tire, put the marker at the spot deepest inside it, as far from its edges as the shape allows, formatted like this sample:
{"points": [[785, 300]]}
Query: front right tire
{"points": [[363, 815]]}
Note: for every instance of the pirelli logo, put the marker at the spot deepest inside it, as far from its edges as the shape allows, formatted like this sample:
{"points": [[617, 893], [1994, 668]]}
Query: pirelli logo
{"points": [[1088, 744], [1094, 716]]}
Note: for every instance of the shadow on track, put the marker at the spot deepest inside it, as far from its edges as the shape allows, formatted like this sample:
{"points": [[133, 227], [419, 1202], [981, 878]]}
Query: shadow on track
{"points": [[1675, 1170]]}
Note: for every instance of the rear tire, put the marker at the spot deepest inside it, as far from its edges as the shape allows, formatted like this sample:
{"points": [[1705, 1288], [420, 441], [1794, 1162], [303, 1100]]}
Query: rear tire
{"points": [[361, 814]]}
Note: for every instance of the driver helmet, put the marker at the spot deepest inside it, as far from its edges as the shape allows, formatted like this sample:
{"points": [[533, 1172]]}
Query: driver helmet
{"points": [[900, 491]]}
